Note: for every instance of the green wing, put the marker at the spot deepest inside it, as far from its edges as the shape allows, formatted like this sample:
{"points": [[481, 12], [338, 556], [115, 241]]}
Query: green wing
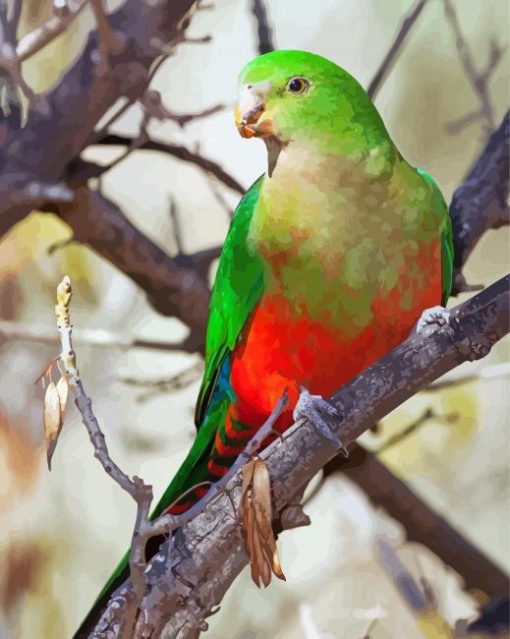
{"points": [[446, 237], [237, 288]]}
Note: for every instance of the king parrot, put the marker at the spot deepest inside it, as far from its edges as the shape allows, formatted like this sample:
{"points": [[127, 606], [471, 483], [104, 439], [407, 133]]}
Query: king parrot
{"points": [[329, 261]]}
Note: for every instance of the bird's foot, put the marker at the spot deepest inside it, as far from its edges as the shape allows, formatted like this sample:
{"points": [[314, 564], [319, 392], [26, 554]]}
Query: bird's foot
{"points": [[321, 414], [433, 319]]}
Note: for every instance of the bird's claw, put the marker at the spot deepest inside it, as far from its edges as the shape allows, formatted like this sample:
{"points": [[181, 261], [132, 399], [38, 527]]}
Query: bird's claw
{"points": [[321, 414], [433, 319]]}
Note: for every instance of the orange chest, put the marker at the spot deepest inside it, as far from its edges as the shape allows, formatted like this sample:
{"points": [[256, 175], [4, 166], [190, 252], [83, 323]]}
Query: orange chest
{"points": [[279, 347]]}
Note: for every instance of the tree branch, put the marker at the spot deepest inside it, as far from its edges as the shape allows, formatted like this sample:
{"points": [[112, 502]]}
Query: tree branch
{"points": [[178, 151], [136, 488], [53, 27], [61, 122], [478, 81], [393, 52], [90, 337], [265, 38], [421, 523], [480, 203], [172, 287], [193, 570]]}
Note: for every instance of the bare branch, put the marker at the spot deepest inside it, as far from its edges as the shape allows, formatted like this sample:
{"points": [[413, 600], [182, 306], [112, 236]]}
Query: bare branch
{"points": [[495, 56], [140, 492], [127, 597], [480, 203], [57, 24], [207, 553], [478, 80], [66, 117], [176, 226], [393, 52], [180, 152], [265, 38], [422, 524], [170, 384], [153, 104], [427, 415], [218, 196], [98, 338], [29, 190], [9, 23], [110, 42], [401, 577], [172, 288]]}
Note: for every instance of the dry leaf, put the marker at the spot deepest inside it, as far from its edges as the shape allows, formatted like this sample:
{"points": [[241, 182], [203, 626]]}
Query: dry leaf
{"points": [[52, 420], [257, 518], [63, 394]]}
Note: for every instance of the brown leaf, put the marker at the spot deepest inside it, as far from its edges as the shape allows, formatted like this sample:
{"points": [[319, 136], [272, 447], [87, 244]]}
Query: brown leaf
{"points": [[257, 518], [52, 420], [63, 394]]}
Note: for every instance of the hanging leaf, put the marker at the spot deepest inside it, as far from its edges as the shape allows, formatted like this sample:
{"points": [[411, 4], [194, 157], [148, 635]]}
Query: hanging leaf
{"points": [[63, 394], [52, 420], [257, 518]]}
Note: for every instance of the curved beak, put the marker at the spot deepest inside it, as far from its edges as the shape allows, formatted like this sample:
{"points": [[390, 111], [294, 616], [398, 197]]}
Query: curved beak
{"points": [[249, 111]]}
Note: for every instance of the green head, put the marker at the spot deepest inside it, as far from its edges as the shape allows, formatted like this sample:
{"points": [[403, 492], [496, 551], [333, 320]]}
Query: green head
{"points": [[296, 96]]}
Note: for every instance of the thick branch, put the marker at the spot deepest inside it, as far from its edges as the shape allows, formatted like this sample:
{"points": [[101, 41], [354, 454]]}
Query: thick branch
{"points": [[196, 566], [61, 123], [480, 203], [172, 288], [265, 40], [421, 523]]}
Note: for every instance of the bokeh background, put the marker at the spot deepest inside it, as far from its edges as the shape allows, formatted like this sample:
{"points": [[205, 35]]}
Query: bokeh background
{"points": [[62, 532]]}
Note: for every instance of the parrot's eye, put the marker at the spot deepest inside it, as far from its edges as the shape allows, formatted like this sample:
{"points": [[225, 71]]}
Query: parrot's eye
{"points": [[297, 86]]}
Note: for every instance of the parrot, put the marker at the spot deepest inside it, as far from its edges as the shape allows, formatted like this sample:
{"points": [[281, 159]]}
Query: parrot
{"points": [[330, 259]]}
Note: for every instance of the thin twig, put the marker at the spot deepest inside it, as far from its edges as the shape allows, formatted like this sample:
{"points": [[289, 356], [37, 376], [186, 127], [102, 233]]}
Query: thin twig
{"points": [[136, 488], [153, 104], [427, 415], [391, 57], [178, 151], [54, 26], [218, 196], [479, 81], [170, 384], [176, 226], [98, 338]]}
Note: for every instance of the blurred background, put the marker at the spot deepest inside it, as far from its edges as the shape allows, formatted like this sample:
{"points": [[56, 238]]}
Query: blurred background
{"points": [[61, 533]]}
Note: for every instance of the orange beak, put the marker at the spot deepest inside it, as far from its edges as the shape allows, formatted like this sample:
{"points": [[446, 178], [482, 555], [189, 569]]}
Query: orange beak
{"points": [[246, 120], [249, 112]]}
